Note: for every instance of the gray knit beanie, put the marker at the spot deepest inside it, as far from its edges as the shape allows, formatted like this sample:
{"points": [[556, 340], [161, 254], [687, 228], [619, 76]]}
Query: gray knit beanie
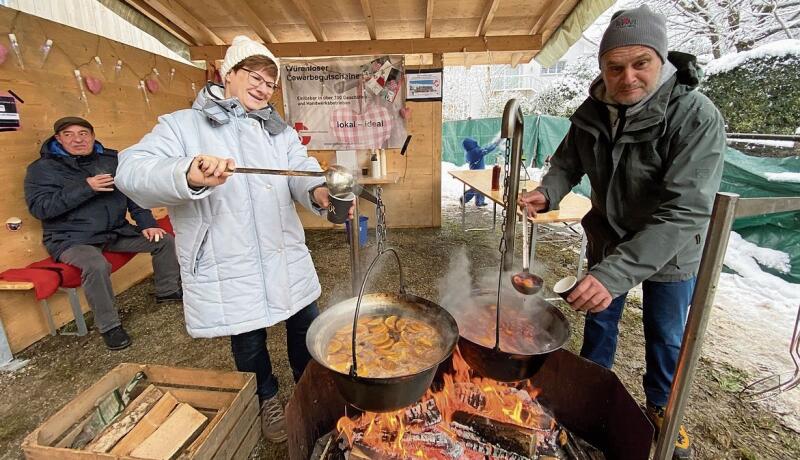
{"points": [[637, 26]]}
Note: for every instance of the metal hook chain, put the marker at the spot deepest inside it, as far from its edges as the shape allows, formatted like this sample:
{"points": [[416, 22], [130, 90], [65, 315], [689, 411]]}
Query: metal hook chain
{"points": [[503, 213], [380, 215]]}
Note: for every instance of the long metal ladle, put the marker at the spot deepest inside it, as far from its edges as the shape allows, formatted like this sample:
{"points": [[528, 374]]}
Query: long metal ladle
{"points": [[339, 180], [525, 282]]}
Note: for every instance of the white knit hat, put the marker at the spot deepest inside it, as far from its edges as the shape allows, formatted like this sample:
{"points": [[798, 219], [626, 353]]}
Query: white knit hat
{"points": [[241, 49]]}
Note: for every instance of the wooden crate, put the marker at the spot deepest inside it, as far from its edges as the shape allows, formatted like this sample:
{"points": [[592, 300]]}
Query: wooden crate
{"points": [[228, 399]]}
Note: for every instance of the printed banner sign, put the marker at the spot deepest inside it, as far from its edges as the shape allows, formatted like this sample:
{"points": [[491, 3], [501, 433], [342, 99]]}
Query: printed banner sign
{"points": [[345, 102]]}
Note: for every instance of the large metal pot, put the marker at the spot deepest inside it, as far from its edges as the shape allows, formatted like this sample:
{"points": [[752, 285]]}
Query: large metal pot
{"points": [[551, 332], [381, 394]]}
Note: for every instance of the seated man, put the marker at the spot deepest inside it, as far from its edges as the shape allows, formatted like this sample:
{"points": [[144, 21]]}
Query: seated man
{"points": [[71, 190]]}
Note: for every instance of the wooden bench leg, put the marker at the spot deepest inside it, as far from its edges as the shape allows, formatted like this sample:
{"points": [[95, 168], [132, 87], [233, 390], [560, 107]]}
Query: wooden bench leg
{"points": [[48, 316], [75, 303], [7, 361]]}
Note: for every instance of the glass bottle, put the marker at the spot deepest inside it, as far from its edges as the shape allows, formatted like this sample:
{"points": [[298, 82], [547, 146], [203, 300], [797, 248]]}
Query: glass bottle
{"points": [[496, 174], [376, 164]]}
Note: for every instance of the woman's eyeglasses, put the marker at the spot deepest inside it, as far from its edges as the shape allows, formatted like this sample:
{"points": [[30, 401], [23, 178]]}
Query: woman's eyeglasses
{"points": [[257, 80]]}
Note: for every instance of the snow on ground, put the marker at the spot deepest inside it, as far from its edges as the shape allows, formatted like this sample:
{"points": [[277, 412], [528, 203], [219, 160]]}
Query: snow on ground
{"points": [[754, 311], [451, 188], [753, 319], [767, 142], [731, 61], [783, 177]]}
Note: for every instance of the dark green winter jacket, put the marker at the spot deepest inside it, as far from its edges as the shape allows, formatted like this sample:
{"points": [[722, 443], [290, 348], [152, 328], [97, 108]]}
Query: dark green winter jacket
{"points": [[653, 182]]}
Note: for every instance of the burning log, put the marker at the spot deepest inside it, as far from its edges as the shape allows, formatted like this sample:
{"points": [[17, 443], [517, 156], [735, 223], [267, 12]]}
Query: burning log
{"points": [[425, 413], [494, 439]]}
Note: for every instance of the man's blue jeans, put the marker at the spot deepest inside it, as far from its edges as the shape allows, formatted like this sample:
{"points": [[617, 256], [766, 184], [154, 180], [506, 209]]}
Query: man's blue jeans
{"points": [[250, 351], [665, 306]]}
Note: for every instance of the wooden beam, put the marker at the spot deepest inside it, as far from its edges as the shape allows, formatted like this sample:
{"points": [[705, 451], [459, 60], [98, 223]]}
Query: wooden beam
{"points": [[366, 6], [176, 13], [249, 15], [311, 20], [429, 19], [468, 59], [488, 17], [377, 47], [547, 15], [515, 58], [158, 18]]}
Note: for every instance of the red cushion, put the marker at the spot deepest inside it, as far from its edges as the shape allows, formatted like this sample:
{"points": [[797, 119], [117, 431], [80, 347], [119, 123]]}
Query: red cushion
{"points": [[45, 282], [166, 224], [70, 276]]}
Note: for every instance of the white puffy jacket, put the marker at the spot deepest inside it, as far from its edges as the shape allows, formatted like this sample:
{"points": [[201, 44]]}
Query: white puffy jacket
{"points": [[241, 246]]}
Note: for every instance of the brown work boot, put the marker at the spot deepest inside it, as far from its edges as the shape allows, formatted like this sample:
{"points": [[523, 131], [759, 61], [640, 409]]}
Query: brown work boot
{"points": [[273, 421], [683, 447]]}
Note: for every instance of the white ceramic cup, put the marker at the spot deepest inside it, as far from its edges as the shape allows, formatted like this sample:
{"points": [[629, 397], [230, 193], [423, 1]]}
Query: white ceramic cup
{"points": [[13, 223], [564, 286]]}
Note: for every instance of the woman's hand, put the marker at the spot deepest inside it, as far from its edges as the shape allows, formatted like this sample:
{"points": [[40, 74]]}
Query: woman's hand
{"points": [[209, 171]]}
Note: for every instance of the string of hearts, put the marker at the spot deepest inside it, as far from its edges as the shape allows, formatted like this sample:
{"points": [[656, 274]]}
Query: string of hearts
{"points": [[148, 82]]}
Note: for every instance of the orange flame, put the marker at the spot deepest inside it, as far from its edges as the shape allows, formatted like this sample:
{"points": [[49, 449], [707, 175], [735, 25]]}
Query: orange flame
{"points": [[392, 433]]}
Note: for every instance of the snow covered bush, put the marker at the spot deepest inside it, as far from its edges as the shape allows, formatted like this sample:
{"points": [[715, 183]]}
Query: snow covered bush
{"points": [[757, 91]]}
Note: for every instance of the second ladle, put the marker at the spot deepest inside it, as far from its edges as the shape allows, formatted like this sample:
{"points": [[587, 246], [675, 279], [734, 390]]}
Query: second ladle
{"points": [[525, 282]]}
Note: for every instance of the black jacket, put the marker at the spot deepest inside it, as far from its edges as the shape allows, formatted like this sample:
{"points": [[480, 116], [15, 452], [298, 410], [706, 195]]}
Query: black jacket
{"points": [[71, 212]]}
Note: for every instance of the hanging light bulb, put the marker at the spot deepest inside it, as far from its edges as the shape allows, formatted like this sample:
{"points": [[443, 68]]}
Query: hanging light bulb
{"points": [[83, 91], [171, 75], [144, 91], [48, 45], [15, 45], [118, 67]]}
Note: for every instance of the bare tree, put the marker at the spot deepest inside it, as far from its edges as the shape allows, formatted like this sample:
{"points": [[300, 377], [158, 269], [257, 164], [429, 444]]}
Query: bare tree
{"points": [[463, 87], [725, 26]]}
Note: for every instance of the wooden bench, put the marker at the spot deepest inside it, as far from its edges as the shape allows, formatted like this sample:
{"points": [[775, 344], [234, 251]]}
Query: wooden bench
{"points": [[69, 279]]}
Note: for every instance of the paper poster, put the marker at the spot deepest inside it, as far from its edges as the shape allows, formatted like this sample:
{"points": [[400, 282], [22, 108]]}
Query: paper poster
{"points": [[345, 103], [424, 85]]}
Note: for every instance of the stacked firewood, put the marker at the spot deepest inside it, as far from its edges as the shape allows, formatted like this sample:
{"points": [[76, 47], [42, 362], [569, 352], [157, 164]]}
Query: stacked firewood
{"points": [[154, 425]]}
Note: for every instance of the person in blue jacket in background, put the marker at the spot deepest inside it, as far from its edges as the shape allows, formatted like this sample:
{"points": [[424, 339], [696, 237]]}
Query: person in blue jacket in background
{"points": [[474, 154]]}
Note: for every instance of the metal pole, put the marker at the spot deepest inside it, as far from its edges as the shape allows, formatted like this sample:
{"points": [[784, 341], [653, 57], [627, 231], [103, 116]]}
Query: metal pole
{"points": [[719, 231], [355, 259], [512, 127]]}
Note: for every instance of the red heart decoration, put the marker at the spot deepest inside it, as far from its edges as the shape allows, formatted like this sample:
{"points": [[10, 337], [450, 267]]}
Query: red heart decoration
{"points": [[151, 84], [369, 129], [94, 85], [3, 53]]}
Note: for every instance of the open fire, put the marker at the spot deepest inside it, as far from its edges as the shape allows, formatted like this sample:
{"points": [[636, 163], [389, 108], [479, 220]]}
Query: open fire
{"points": [[466, 417]]}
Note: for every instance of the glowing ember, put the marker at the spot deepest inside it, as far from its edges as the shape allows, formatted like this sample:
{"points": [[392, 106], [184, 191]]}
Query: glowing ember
{"points": [[469, 418]]}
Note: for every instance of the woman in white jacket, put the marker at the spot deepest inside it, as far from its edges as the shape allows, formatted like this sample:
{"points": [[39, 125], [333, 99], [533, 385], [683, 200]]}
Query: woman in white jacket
{"points": [[241, 246]]}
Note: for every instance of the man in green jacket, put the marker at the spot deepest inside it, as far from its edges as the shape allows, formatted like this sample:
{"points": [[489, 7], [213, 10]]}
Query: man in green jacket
{"points": [[652, 147]]}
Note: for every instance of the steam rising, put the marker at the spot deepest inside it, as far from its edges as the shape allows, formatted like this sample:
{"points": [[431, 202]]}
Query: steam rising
{"points": [[459, 295]]}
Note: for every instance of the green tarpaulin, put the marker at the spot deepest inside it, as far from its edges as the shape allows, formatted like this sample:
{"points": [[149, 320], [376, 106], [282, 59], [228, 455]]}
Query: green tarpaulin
{"points": [[745, 175]]}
